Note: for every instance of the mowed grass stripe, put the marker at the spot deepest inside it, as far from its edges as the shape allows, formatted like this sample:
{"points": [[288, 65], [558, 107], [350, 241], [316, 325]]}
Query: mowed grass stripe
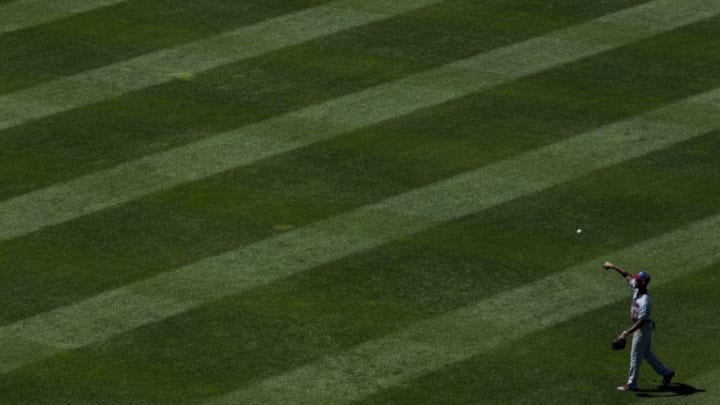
{"points": [[185, 60], [260, 263], [63, 202], [160, 67], [467, 332], [119, 32], [22, 14]]}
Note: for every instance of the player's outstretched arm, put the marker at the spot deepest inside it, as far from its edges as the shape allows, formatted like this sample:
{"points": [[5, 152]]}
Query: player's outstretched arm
{"points": [[610, 266]]}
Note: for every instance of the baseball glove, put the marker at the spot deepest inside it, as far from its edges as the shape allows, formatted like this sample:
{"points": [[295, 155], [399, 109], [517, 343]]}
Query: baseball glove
{"points": [[619, 343]]}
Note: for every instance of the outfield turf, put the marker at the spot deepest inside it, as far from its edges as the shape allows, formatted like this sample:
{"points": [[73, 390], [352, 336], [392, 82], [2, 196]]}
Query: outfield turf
{"points": [[378, 209]]}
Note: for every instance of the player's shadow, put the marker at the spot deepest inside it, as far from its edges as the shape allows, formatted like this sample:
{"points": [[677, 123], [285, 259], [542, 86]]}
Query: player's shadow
{"points": [[671, 390]]}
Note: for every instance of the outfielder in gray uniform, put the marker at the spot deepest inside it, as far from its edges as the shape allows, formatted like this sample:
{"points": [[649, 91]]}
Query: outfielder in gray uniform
{"points": [[641, 329]]}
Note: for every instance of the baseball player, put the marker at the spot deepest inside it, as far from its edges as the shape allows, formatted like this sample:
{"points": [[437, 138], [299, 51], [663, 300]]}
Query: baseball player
{"points": [[641, 329]]}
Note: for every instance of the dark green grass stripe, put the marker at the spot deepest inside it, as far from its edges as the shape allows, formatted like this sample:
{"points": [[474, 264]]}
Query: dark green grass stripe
{"points": [[93, 39], [266, 331], [156, 119], [171, 293], [123, 31], [320, 122], [188, 59], [19, 14]]}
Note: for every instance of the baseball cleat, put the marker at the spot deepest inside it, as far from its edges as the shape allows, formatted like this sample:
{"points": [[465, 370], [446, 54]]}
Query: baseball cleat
{"points": [[667, 378], [625, 387]]}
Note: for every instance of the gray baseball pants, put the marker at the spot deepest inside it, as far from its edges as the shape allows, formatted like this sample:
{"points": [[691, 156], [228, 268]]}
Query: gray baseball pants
{"points": [[641, 351]]}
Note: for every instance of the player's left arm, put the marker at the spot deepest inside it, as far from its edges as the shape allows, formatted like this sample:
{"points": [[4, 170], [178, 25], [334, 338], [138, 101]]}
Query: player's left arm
{"points": [[637, 325]]}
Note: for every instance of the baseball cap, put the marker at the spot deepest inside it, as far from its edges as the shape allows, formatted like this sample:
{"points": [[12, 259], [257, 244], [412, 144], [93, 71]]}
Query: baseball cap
{"points": [[642, 276]]}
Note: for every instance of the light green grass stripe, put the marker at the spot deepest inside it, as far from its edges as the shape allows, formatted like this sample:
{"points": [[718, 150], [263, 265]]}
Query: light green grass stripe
{"points": [[188, 59], [167, 294], [22, 14], [87, 194], [487, 325]]}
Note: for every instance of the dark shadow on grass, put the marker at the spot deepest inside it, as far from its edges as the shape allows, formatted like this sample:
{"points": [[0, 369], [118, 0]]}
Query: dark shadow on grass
{"points": [[671, 390]]}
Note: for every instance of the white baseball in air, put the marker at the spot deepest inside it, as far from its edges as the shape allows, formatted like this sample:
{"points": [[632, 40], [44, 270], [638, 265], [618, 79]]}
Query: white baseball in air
{"points": [[579, 230]]}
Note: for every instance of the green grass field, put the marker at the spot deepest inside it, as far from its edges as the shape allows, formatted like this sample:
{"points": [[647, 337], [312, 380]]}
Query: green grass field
{"points": [[355, 201]]}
